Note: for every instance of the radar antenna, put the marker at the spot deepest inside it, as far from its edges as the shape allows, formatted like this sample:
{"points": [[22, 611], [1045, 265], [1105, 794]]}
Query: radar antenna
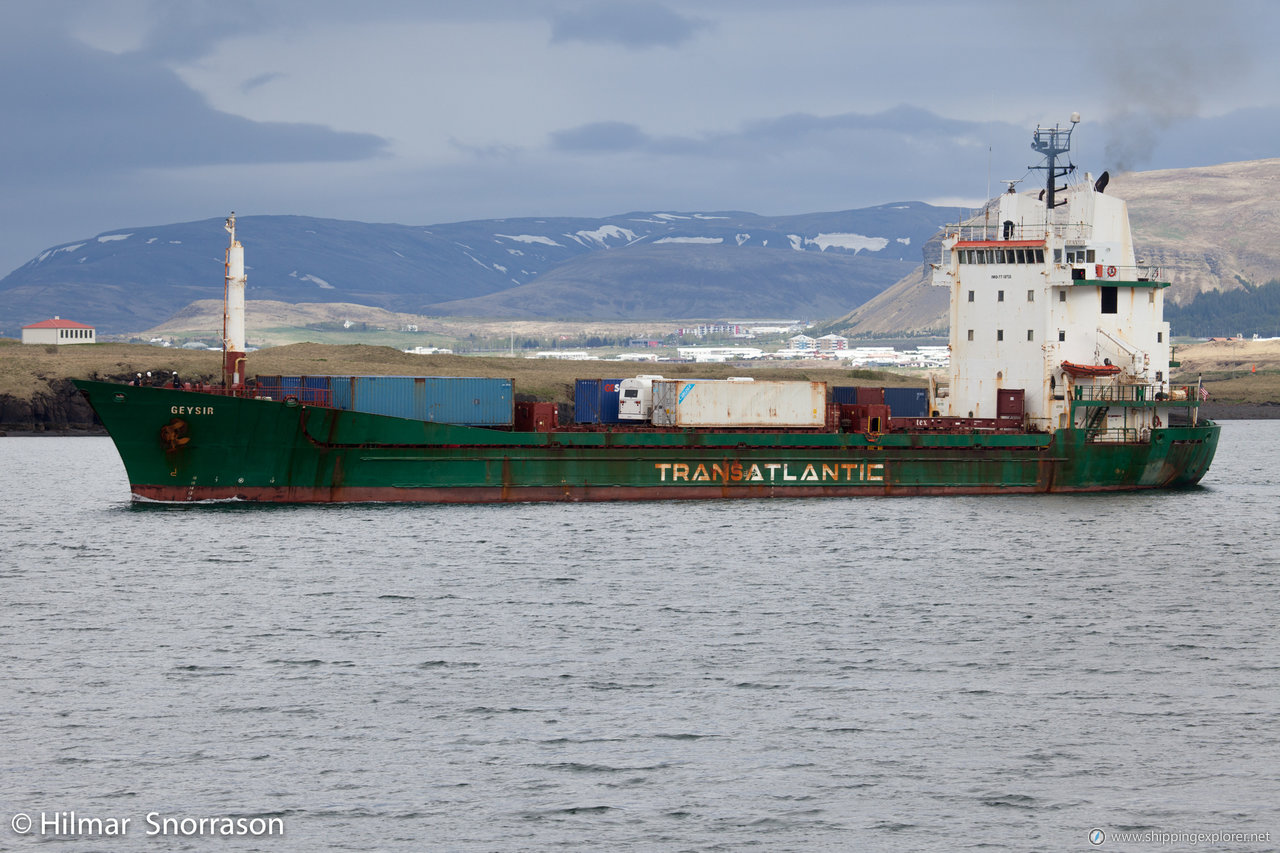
{"points": [[1051, 142]]}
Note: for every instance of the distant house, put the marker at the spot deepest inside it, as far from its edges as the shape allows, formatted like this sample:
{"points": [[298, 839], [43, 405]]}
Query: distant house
{"points": [[802, 342], [832, 343], [59, 331]]}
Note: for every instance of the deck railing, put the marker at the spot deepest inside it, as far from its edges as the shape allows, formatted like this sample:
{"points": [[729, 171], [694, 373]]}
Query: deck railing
{"points": [[1112, 435], [1177, 395]]}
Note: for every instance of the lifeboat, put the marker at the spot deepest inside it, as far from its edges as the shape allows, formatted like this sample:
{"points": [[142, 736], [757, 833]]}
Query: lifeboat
{"points": [[1080, 370]]}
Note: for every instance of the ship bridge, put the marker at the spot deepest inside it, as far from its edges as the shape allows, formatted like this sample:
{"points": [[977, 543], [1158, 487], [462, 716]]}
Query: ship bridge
{"points": [[1047, 298]]}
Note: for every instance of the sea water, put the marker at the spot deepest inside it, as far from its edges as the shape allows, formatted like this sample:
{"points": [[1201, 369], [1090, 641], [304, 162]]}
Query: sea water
{"points": [[902, 674]]}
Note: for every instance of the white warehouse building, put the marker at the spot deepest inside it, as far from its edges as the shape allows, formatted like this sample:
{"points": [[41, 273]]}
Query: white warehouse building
{"points": [[59, 331]]}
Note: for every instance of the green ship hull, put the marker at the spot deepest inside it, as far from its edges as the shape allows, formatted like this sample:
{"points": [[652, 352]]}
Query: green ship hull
{"points": [[182, 446]]}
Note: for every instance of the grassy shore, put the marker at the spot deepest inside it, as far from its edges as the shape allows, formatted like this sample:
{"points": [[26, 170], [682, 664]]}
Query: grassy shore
{"points": [[30, 370], [1243, 377]]}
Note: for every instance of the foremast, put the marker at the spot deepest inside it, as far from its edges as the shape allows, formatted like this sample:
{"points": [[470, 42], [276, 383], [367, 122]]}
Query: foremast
{"points": [[233, 340]]}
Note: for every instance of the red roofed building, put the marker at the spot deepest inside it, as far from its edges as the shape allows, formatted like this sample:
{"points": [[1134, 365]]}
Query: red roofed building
{"points": [[59, 331]]}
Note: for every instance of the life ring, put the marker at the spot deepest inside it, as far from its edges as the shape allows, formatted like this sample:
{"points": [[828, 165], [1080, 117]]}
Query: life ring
{"points": [[290, 400], [1111, 272], [1155, 421]]}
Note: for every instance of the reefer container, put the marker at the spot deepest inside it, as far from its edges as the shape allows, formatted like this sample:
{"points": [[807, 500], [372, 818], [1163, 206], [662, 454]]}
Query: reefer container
{"points": [[635, 398], [729, 403], [907, 402], [595, 401], [440, 399]]}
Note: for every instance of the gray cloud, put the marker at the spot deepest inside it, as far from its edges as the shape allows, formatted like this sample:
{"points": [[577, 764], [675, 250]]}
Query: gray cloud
{"points": [[601, 136], [260, 80], [89, 112], [892, 132], [630, 24]]}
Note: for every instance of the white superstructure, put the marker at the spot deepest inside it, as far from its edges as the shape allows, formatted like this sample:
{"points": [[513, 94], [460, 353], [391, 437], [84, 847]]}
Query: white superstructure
{"points": [[1047, 297]]}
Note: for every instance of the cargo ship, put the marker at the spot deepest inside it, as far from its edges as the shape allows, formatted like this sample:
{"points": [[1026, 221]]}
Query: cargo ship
{"points": [[1059, 382]]}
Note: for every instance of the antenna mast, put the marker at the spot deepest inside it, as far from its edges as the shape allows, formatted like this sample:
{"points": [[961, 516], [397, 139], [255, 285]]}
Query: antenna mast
{"points": [[1051, 142]]}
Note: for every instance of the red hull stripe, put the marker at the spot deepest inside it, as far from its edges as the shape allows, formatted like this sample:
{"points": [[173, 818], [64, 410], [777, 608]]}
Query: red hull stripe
{"points": [[385, 494]]}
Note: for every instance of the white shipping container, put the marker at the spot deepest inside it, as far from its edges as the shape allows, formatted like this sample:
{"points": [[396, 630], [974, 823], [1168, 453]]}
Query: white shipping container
{"points": [[721, 403]]}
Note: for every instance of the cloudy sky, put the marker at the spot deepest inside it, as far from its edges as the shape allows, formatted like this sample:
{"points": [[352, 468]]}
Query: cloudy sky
{"points": [[125, 113]]}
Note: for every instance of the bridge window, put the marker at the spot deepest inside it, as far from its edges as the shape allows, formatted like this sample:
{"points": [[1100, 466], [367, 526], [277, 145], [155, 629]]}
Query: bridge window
{"points": [[999, 334], [999, 296], [1031, 334], [970, 295]]}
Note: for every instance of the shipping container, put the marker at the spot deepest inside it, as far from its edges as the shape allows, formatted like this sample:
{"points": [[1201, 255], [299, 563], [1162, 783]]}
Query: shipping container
{"points": [[595, 401], [469, 401], [533, 416], [312, 390], [268, 387], [635, 398], [907, 402], [870, 396], [844, 395], [726, 403]]}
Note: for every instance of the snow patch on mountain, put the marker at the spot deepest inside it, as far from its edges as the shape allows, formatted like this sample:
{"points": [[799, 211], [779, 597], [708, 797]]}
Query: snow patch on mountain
{"points": [[602, 235], [316, 280], [855, 242], [107, 238], [701, 240], [530, 238]]}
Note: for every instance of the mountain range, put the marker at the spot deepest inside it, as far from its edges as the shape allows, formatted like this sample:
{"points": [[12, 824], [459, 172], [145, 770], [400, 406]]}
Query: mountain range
{"points": [[639, 266], [857, 272]]}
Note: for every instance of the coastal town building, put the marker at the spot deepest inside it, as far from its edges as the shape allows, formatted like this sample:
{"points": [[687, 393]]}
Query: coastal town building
{"points": [[59, 331], [801, 342], [832, 343]]}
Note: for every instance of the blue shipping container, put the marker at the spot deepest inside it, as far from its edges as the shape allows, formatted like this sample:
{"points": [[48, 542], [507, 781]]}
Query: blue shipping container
{"points": [[845, 395], [440, 399], [313, 390], [595, 401], [907, 402]]}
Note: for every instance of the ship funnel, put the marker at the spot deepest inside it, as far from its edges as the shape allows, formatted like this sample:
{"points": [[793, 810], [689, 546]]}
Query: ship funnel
{"points": [[233, 345]]}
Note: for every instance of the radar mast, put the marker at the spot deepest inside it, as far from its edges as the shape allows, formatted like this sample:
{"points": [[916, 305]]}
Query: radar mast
{"points": [[1051, 142]]}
